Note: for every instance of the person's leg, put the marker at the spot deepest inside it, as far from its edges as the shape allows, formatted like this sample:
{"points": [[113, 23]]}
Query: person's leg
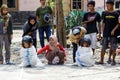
{"points": [[113, 49], [102, 56], [93, 37], [74, 51], [104, 47], [41, 35], [60, 54], [48, 32], [50, 56], [35, 43], [1, 47], [7, 48]]}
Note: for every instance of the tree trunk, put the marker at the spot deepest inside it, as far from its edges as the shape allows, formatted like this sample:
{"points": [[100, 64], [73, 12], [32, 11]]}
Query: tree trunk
{"points": [[60, 23]]}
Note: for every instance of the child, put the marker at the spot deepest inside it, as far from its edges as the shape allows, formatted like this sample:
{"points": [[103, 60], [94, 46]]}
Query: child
{"points": [[6, 34], [28, 53], [55, 53], [30, 28], [78, 33], [84, 54]]}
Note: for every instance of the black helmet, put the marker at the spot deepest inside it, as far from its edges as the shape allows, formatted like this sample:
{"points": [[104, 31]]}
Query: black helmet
{"points": [[27, 39], [87, 40], [47, 18]]}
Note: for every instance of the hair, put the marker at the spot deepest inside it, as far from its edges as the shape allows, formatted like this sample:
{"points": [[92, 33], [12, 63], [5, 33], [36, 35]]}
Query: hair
{"points": [[32, 17], [87, 40], [4, 6], [91, 3], [110, 2]]}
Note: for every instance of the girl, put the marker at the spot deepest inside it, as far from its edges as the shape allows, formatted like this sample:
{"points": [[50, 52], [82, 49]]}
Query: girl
{"points": [[28, 53], [84, 54], [30, 28], [55, 53], [6, 33]]}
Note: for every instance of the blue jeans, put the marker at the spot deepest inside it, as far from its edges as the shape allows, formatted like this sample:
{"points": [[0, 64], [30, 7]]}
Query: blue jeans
{"points": [[41, 30]]}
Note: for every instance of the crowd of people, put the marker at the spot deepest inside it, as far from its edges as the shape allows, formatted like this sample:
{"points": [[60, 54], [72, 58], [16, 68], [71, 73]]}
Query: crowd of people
{"points": [[83, 38]]}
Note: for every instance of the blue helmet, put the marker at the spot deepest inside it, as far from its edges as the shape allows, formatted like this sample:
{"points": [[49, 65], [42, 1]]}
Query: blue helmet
{"points": [[47, 18], [27, 39]]}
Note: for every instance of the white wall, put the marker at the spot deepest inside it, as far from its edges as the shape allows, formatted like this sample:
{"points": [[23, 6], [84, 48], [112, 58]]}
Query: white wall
{"points": [[28, 5]]}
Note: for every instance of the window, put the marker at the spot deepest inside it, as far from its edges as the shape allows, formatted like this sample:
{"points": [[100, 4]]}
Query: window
{"points": [[117, 4], [12, 4], [76, 4]]}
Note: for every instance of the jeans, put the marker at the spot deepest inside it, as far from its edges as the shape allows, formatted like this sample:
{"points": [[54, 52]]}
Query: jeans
{"points": [[41, 30]]}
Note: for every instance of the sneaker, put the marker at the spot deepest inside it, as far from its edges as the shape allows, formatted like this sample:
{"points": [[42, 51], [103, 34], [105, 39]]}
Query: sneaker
{"points": [[109, 61], [28, 66], [99, 63], [10, 63], [75, 64], [113, 63]]}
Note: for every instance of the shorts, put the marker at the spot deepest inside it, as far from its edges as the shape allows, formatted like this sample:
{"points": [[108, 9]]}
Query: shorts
{"points": [[93, 39], [109, 42]]}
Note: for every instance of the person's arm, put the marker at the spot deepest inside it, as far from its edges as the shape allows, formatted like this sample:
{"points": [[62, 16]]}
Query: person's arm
{"points": [[113, 31], [42, 49], [117, 25], [61, 48]]}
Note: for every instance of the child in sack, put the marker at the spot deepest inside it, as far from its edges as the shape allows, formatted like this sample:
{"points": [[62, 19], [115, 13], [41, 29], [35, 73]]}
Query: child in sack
{"points": [[28, 54], [55, 53], [84, 54]]}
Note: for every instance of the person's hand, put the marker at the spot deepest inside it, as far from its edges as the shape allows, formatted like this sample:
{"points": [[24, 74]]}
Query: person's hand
{"points": [[112, 33], [99, 37], [65, 59]]}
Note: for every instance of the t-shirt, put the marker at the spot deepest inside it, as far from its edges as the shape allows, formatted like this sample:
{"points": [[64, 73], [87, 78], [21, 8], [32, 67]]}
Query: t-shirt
{"points": [[111, 20], [117, 32], [40, 12], [91, 27]]}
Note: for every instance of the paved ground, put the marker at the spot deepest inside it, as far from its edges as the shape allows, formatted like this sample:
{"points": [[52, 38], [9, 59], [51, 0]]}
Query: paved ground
{"points": [[59, 72]]}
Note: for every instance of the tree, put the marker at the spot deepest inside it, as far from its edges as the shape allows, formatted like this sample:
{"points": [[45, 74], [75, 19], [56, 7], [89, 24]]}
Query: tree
{"points": [[60, 23]]}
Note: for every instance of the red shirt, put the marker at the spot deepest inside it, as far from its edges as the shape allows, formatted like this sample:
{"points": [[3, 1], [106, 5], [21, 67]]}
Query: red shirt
{"points": [[47, 48]]}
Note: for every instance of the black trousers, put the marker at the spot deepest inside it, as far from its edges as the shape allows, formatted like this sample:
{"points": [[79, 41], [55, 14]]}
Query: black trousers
{"points": [[75, 47]]}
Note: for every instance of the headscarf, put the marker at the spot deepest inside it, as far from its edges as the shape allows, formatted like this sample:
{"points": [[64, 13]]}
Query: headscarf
{"points": [[4, 6], [54, 45]]}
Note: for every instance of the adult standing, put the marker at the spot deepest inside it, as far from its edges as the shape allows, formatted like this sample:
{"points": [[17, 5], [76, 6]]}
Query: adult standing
{"points": [[110, 24], [90, 20], [43, 14]]}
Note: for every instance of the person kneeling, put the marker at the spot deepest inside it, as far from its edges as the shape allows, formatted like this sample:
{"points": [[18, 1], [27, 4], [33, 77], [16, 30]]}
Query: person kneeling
{"points": [[55, 53], [84, 54], [28, 54]]}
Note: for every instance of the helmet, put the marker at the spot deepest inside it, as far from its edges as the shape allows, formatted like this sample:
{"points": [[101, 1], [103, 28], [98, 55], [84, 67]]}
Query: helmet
{"points": [[27, 39], [87, 40], [76, 30], [47, 18]]}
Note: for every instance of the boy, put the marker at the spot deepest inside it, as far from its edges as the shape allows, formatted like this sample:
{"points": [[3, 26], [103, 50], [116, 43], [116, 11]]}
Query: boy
{"points": [[110, 24], [89, 21]]}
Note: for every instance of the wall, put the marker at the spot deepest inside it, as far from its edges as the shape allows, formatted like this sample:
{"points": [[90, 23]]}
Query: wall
{"points": [[28, 5]]}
